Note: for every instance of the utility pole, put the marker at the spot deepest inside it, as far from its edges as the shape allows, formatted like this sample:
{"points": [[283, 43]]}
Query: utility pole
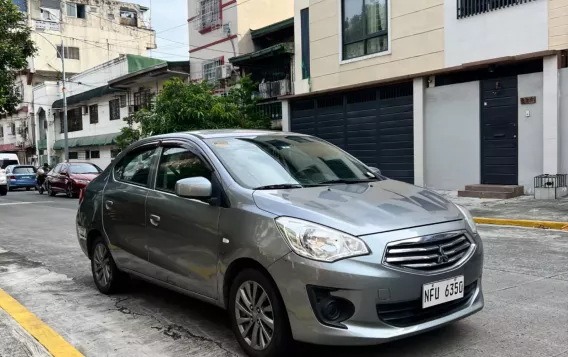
{"points": [[65, 126]]}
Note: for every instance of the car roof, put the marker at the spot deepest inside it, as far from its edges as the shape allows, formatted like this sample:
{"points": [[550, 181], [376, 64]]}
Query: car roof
{"points": [[229, 133]]}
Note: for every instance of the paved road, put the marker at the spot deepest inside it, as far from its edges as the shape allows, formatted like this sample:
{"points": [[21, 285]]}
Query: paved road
{"points": [[42, 266]]}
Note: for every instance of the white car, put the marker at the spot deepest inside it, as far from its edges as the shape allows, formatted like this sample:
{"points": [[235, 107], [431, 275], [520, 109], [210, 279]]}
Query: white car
{"points": [[3, 183]]}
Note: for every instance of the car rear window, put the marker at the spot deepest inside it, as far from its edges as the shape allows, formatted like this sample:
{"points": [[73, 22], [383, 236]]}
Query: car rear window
{"points": [[5, 163], [24, 170]]}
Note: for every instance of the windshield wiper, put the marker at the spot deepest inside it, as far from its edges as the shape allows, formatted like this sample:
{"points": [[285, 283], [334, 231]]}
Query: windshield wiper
{"points": [[279, 187], [340, 181]]}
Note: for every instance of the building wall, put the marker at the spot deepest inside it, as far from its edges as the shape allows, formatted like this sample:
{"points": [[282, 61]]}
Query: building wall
{"points": [[504, 32], [530, 130], [417, 44], [451, 136], [105, 155], [558, 24], [98, 38], [253, 15], [97, 76], [563, 121]]}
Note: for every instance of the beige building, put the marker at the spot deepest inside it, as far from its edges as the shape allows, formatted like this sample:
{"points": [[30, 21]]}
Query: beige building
{"points": [[92, 32], [221, 29], [441, 93]]}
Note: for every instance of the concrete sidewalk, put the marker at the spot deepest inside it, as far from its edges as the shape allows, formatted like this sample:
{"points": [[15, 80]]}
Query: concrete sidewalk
{"points": [[520, 208]]}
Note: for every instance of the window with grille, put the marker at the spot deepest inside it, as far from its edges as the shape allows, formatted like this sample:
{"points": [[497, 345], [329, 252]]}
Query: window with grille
{"points": [[94, 113], [468, 8], [76, 10], [70, 52], [1, 131], [95, 154], [122, 99], [210, 69], [365, 27], [209, 14], [143, 99], [73, 155], [74, 120], [114, 109]]}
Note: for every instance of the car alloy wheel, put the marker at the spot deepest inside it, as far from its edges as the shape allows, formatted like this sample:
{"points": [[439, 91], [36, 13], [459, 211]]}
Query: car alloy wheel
{"points": [[255, 317], [101, 265], [50, 190], [69, 191]]}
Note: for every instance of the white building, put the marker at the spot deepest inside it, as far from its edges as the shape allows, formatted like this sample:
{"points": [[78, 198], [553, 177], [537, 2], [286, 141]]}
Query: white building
{"points": [[98, 101], [440, 93], [92, 31]]}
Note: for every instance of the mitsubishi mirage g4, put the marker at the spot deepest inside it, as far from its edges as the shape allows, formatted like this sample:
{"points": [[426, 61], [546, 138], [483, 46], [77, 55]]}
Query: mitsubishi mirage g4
{"points": [[295, 238]]}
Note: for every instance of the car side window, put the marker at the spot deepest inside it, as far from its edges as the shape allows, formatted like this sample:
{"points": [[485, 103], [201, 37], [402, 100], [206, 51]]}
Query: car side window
{"points": [[135, 166], [179, 163], [57, 169]]}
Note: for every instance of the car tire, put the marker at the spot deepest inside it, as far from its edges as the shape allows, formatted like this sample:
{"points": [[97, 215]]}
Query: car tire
{"points": [[3, 190], [28, 188], [50, 191], [268, 311], [69, 191], [108, 278]]}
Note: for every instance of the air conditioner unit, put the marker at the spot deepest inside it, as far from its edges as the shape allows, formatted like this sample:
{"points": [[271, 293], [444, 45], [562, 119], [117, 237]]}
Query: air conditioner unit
{"points": [[223, 71], [85, 109], [131, 109]]}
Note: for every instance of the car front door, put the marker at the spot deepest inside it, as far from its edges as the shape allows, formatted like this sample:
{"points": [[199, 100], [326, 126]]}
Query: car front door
{"points": [[124, 200], [62, 178], [53, 177], [184, 232]]}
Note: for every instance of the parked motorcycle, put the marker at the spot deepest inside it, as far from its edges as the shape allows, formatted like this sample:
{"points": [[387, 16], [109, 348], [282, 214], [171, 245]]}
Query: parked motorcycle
{"points": [[41, 181]]}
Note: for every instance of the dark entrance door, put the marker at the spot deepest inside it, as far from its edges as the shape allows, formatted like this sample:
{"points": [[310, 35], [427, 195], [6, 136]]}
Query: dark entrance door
{"points": [[499, 131]]}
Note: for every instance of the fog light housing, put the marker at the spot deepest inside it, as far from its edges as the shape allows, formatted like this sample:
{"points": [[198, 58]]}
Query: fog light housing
{"points": [[330, 310]]}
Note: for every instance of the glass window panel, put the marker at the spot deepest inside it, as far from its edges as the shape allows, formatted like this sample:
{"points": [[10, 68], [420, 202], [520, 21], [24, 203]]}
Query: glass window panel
{"points": [[354, 50], [377, 44], [353, 29], [376, 16]]}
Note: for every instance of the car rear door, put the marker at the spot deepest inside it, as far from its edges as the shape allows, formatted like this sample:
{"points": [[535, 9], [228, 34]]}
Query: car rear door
{"points": [[184, 232], [124, 200], [24, 176]]}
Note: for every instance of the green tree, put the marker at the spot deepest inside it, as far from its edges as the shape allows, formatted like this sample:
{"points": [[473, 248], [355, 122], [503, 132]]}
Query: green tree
{"points": [[192, 106], [15, 48]]}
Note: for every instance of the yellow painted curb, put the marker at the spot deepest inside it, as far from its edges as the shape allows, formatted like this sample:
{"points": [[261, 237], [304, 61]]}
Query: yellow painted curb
{"points": [[54, 343], [523, 223]]}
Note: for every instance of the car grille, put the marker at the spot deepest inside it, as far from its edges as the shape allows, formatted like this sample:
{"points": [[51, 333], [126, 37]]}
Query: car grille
{"points": [[429, 253], [411, 313]]}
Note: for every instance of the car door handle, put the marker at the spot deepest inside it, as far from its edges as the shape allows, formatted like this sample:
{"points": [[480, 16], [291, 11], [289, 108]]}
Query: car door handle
{"points": [[108, 204], [155, 220]]}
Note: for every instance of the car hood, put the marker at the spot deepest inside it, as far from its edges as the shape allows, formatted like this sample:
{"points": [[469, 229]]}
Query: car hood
{"points": [[361, 209], [86, 177]]}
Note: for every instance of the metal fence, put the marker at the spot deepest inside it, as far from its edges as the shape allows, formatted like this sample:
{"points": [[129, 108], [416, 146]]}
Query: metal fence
{"points": [[468, 8]]}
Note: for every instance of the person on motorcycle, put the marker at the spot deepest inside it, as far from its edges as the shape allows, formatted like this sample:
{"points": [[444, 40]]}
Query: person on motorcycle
{"points": [[41, 174]]}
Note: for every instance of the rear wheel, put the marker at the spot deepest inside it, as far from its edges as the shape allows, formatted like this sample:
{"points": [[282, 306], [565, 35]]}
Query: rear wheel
{"points": [[258, 316], [108, 278], [28, 188], [50, 190]]}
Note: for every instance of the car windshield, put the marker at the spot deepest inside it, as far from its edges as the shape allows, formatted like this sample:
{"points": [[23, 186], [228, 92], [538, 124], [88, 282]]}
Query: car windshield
{"points": [[84, 169], [24, 170], [5, 163], [277, 161]]}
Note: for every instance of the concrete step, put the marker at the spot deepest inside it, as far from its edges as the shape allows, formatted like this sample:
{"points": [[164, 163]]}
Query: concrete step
{"points": [[487, 194], [519, 190]]}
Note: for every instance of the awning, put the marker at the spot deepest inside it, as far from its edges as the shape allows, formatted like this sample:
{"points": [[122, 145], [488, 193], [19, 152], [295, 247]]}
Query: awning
{"points": [[10, 147], [86, 141], [263, 31], [85, 96], [286, 47]]}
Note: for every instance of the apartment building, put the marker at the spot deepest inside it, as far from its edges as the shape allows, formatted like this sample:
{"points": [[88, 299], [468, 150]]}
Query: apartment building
{"points": [[98, 101], [440, 93], [92, 33]]}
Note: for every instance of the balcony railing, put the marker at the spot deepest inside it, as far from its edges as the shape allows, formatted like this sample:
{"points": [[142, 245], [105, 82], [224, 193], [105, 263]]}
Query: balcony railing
{"points": [[467, 8]]}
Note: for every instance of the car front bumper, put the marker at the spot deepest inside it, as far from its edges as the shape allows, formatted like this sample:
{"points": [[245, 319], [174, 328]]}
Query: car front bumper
{"points": [[369, 286]]}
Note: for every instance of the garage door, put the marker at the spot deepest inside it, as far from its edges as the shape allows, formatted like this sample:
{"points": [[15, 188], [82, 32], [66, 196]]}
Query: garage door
{"points": [[374, 125]]}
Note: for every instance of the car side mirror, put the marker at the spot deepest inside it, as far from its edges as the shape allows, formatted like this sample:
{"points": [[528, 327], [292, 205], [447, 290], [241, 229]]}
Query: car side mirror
{"points": [[375, 170], [194, 187]]}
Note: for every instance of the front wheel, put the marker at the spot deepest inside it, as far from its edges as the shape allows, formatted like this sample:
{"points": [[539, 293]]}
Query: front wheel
{"points": [[108, 278], [50, 190], [258, 316]]}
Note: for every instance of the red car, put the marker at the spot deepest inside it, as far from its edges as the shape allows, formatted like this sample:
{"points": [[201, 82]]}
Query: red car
{"points": [[71, 178]]}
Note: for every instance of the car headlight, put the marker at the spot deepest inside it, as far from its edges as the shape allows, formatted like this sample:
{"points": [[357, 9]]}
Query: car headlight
{"points": [[317, 242], [468, 218]]}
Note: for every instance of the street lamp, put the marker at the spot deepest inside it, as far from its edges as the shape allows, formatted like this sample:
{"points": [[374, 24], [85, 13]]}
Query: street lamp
{"points": [[65, 128]]}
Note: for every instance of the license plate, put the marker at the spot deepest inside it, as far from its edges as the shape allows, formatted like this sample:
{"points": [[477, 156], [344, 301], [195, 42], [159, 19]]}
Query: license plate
{"points": [[442, 291]]}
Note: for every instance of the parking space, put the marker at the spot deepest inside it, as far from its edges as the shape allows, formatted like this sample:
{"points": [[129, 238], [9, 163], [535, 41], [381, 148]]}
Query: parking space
{"points": [[41, 265]]}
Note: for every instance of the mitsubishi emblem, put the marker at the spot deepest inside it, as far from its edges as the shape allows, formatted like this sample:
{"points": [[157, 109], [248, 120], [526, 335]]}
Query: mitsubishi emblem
{"points": [[443, 258]]}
